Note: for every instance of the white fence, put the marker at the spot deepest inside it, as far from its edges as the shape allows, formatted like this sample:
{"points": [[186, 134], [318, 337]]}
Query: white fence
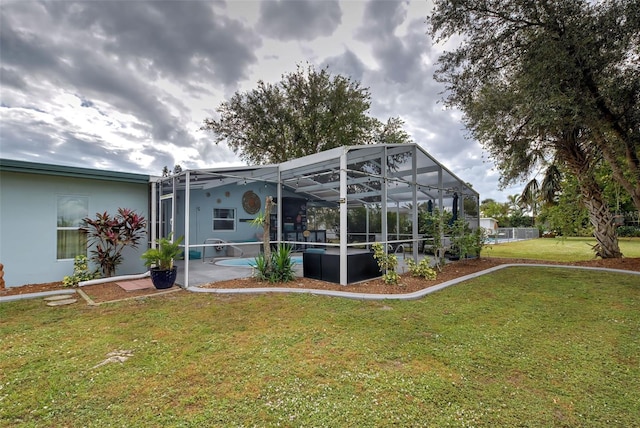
{"points": [[509, 234]]}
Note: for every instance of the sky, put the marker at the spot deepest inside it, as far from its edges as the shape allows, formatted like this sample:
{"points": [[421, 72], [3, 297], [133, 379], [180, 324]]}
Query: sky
{"points": [[126, 85]]}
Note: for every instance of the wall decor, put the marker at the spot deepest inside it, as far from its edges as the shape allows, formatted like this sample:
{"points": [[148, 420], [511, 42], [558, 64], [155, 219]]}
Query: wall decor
{"points": [[250, 202]]}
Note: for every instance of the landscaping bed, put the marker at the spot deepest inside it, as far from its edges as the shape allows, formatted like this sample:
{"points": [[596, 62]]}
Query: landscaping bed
{"points": [[111, 291]]}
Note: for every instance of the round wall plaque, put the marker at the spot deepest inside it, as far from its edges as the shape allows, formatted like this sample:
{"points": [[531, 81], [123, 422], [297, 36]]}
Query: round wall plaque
{"points": [[250, 202]]}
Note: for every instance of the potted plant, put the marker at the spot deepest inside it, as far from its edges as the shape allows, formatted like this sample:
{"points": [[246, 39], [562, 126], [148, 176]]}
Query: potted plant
{"points": [[160, 261]]}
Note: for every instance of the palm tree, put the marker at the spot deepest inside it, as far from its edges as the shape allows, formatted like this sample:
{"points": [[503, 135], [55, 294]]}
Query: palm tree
{"points": [[530, 197], [535, 193], [514, 207]]}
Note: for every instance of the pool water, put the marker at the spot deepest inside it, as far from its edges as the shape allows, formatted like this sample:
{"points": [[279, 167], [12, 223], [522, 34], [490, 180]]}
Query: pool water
{"points": [[250, 261]]}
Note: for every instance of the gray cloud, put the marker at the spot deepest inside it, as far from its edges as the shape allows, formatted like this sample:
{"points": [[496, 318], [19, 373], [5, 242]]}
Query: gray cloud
{"points": [[117, 52], [403, 86], [170, 39], [149, 71], [39, 141], [300, 19], [10, 77], [347, 64], [381, 18]]}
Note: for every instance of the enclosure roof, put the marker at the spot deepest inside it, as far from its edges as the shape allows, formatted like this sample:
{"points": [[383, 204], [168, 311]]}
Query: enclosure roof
{"points": [[368, 167]]}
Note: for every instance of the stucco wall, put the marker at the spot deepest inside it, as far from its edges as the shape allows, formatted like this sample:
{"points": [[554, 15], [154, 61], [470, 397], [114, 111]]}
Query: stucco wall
{"points": [[230, 196], [28, 216]]}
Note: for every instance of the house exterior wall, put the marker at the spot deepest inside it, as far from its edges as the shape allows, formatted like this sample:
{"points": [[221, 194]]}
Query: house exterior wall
{"points": [[203, 202], [28, 221], [489, 224]]}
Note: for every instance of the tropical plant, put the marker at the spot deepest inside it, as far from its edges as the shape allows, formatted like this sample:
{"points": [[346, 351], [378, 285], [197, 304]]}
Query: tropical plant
{"points": [[278, 267], [498, 211], [81, 272], [163, 256], [282, 265], [535, 193], [388, 263], [109, 236], [263, 220], [262, 267]]}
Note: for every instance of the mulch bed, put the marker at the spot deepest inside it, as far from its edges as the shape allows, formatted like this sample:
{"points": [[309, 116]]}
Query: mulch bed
{"points": [[99, 293], [110, 291]]}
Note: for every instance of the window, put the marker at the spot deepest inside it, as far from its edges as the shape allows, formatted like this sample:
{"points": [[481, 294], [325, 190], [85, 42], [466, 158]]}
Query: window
{"points": [[224, 219], [71, 211]]}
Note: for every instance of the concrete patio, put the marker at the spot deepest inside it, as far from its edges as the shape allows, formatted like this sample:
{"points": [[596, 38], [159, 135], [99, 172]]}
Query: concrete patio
{"points": [[209, 271]]}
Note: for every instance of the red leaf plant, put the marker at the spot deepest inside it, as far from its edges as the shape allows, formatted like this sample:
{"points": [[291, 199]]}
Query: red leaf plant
{"points": [[110, 235]]}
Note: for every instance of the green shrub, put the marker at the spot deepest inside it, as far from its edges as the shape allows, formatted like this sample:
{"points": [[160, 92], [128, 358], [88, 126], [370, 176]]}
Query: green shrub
{"points": [[465, 242], [421, 269], [279, 267], [387, 263], [282, 270], [629, 232], [80, 272]]}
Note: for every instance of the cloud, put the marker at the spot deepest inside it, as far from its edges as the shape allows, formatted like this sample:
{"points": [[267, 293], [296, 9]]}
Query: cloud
{"points": [[129, 51], [10, 77], [381, 18], [164, 39], [288, 20], [125, 85], [346, 64]]}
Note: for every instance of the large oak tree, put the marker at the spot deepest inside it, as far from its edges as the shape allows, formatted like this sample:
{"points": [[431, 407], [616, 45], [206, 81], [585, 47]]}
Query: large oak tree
{"points": [[307, 112], [549, 82]]}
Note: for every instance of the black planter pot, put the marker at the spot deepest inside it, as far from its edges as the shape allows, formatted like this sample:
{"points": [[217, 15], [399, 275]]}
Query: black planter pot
{"points": [[162, 278]]}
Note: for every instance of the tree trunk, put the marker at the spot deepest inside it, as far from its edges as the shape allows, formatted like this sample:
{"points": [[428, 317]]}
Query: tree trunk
{"points": [[266, 236], [631, 186], [602, 221], [581, 164]]}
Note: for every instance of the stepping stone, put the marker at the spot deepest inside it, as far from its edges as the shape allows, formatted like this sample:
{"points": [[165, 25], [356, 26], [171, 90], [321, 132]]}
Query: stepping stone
{"points": [[62, 302], [58, 297]]}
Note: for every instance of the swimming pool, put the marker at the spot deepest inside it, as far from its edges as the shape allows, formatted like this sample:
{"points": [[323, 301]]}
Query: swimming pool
{"points": [[250, 262]]}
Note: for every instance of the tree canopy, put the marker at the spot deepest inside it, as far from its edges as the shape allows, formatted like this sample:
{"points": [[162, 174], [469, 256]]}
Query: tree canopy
{"points": [[307, 112], [544, 83], [528, 69]]}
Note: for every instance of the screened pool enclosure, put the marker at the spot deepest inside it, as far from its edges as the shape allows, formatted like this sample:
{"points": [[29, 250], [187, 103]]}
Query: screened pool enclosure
{"points": [[331, 205]]}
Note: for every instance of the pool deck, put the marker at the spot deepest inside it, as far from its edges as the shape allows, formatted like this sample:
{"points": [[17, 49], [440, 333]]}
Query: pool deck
{"points": [[201, 273]]}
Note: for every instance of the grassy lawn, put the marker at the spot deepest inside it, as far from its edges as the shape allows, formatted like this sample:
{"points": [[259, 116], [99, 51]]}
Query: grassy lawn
{"points": [[521, 347], [559, 249]]}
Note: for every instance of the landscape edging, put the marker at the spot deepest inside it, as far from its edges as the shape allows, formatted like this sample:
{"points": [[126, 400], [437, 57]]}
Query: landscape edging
{"points": [[408, 296]]}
